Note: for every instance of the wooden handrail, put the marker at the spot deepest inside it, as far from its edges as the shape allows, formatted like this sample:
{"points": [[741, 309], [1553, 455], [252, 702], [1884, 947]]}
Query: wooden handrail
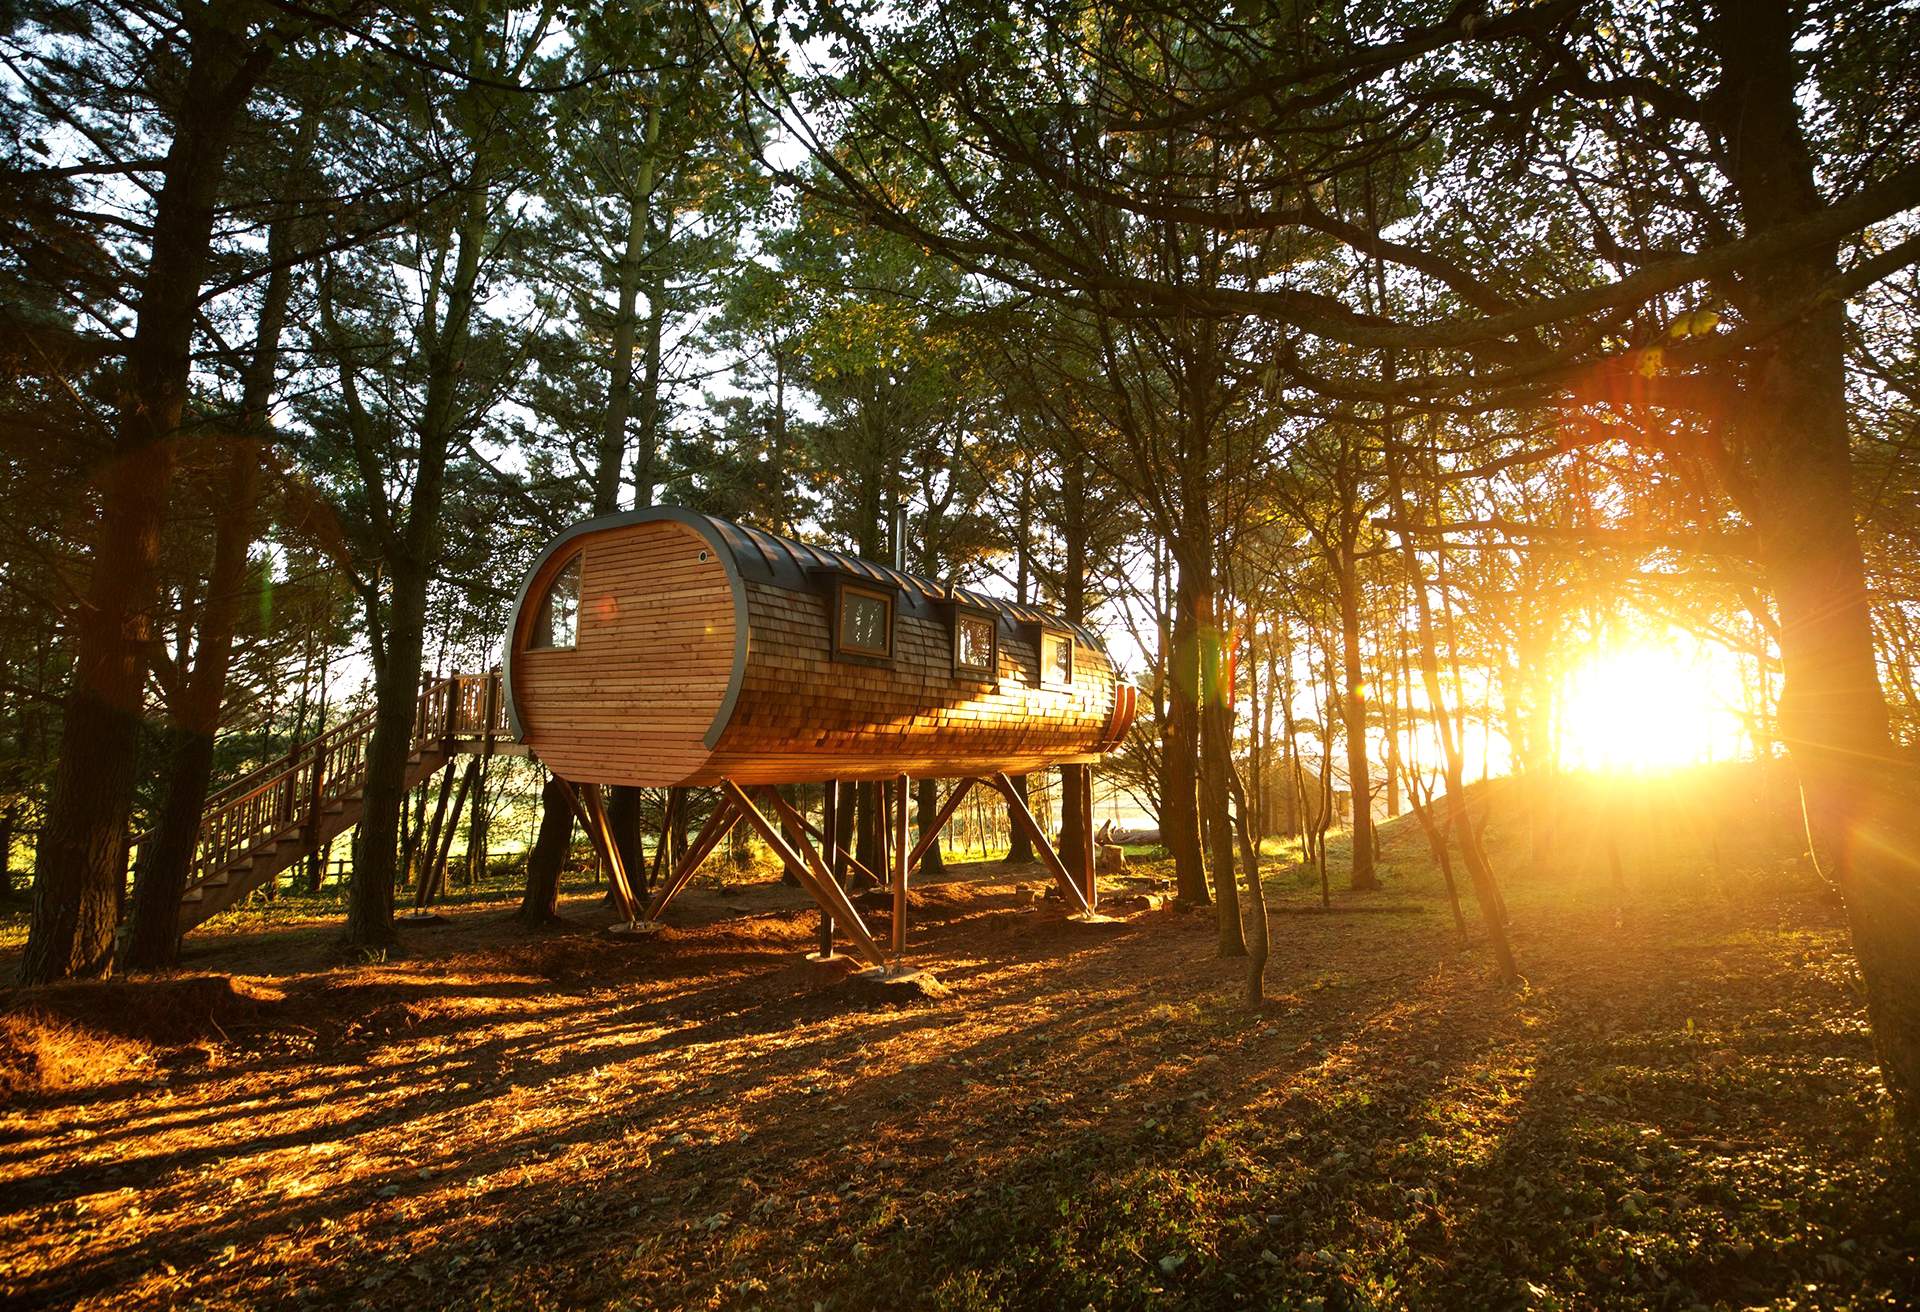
{"points": [[290, 793]]}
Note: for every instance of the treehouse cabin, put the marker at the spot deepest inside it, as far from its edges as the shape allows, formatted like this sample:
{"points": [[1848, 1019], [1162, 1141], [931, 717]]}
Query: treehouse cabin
{"points": [[662, 647]]}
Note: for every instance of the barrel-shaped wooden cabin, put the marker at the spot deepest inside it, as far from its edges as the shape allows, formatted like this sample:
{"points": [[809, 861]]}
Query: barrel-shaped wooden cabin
{"points": [[663, 647]]}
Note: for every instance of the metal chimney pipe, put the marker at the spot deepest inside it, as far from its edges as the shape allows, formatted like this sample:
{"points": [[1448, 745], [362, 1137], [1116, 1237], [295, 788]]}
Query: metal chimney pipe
{"points": [[900, 536]]}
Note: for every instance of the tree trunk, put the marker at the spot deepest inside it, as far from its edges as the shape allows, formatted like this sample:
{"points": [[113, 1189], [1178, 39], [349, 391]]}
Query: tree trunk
{"points": [[411, 552], [1019, 846], [1207, 675], [1258, 939], [926, 802], [1075, 784], [427, 850], [79, 873], [1792, 428], [1486, 890], [434, 878], [376, 839], [1180, 765], [623, 802], [1217, 773], [153, 937], [1354, 715], [629, 836], [540, 903], [9, 823]]}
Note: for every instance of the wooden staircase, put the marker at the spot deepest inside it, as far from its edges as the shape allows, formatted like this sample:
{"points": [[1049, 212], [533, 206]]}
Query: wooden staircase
{"points": [[259, 825]]}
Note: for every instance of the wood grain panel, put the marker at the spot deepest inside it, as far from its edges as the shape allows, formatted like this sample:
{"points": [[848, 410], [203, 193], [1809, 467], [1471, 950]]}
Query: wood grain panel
{"points": [[633, 700], [636, 699], [804, 716]]}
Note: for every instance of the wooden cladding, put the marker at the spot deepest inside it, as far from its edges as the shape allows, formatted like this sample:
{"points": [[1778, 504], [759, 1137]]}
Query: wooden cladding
{"points": [[650, 664], [703, 652]]}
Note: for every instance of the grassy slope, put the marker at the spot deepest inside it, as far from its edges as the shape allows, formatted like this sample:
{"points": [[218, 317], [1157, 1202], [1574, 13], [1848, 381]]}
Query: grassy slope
{"points": [[1680, 1109]]}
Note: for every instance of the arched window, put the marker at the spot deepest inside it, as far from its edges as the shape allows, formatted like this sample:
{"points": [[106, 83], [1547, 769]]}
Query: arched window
{"points": [[557, 624]]}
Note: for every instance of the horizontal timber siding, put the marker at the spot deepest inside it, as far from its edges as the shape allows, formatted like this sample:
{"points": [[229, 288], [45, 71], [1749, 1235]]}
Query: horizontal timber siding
{"points": [[803, 716], [633, 700]]}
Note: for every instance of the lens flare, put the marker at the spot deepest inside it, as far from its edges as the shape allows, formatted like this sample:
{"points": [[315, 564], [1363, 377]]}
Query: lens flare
{"points": [[1648, 706]]}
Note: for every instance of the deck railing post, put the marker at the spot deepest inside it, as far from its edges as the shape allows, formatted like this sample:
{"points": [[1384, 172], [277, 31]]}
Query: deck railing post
{"points": [[900, 788], [830, 841]]}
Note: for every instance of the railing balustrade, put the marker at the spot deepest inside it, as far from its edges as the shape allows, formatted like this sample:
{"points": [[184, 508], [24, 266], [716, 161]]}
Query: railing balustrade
{"points": [[295, 790]]}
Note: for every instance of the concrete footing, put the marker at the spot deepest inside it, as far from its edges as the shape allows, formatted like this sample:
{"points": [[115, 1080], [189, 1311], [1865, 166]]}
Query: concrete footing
{"points": [[884, 985]]}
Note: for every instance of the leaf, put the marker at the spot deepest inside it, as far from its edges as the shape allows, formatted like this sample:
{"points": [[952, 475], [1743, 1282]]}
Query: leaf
{"points": [[1695, 323]]}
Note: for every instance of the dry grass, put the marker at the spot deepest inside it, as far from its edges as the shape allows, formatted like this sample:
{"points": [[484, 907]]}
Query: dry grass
{"points": [[1681, 1108], [40, 1054]]}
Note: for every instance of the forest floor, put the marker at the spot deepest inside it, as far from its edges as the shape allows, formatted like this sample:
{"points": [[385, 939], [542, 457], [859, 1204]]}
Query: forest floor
{"points": [[1679, 1109]]}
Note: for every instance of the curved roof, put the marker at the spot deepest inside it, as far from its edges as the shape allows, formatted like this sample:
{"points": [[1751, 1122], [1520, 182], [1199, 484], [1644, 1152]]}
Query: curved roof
{"points": [[757, 556], [764, 557]]}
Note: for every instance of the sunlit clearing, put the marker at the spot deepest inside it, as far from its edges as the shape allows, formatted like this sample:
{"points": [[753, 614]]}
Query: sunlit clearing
{"points": [[1649, 706]]}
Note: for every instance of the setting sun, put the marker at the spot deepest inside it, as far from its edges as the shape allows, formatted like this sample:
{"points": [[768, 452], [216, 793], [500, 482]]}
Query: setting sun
{"points": [[1648, 705]]}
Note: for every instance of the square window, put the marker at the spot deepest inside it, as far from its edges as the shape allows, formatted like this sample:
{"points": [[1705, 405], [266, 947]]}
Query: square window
{"points": [[1056, 659], [557, 623], [866, 622], [973, 643]]}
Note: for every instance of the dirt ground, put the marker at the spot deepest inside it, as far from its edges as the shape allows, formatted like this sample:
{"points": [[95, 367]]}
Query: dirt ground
{"points": [[1681, 1108]]}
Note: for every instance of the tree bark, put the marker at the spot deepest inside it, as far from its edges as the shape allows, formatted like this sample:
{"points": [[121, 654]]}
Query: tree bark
{"points": [[871, 832], [153, 937], [79, 862], [1075, 784], [1479, 870], [1206, 674], [926, 803], [1258, 939], [1354, 716], [1179, 803], [1792, 428], [1019, 846], [540, 902], [411, 551]]}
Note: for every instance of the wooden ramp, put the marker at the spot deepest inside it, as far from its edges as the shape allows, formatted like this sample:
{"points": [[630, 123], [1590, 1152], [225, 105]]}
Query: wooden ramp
{"points": [[260, 825]]}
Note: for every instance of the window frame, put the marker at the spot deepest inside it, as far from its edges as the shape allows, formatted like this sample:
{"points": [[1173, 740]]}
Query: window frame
{"points": [[1047, 679], [539, 636], [836, 617], [957, 613]]}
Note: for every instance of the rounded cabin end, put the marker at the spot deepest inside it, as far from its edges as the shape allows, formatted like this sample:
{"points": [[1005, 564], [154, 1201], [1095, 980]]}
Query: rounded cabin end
{"points": [[623, 651]]}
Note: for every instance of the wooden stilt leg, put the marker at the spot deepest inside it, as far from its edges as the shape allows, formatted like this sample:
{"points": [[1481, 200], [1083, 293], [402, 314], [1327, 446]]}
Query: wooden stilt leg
{"points": [[664, 844], [960, 790], [1018, 813], [719, 824], [900, 787], [819, 879], [853, 862], [830, 827], [1086, 839], [601, 834]]}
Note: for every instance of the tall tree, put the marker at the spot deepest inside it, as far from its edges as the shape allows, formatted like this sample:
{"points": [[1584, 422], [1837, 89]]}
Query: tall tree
{"points": [[221, 51], [398, 427]]}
